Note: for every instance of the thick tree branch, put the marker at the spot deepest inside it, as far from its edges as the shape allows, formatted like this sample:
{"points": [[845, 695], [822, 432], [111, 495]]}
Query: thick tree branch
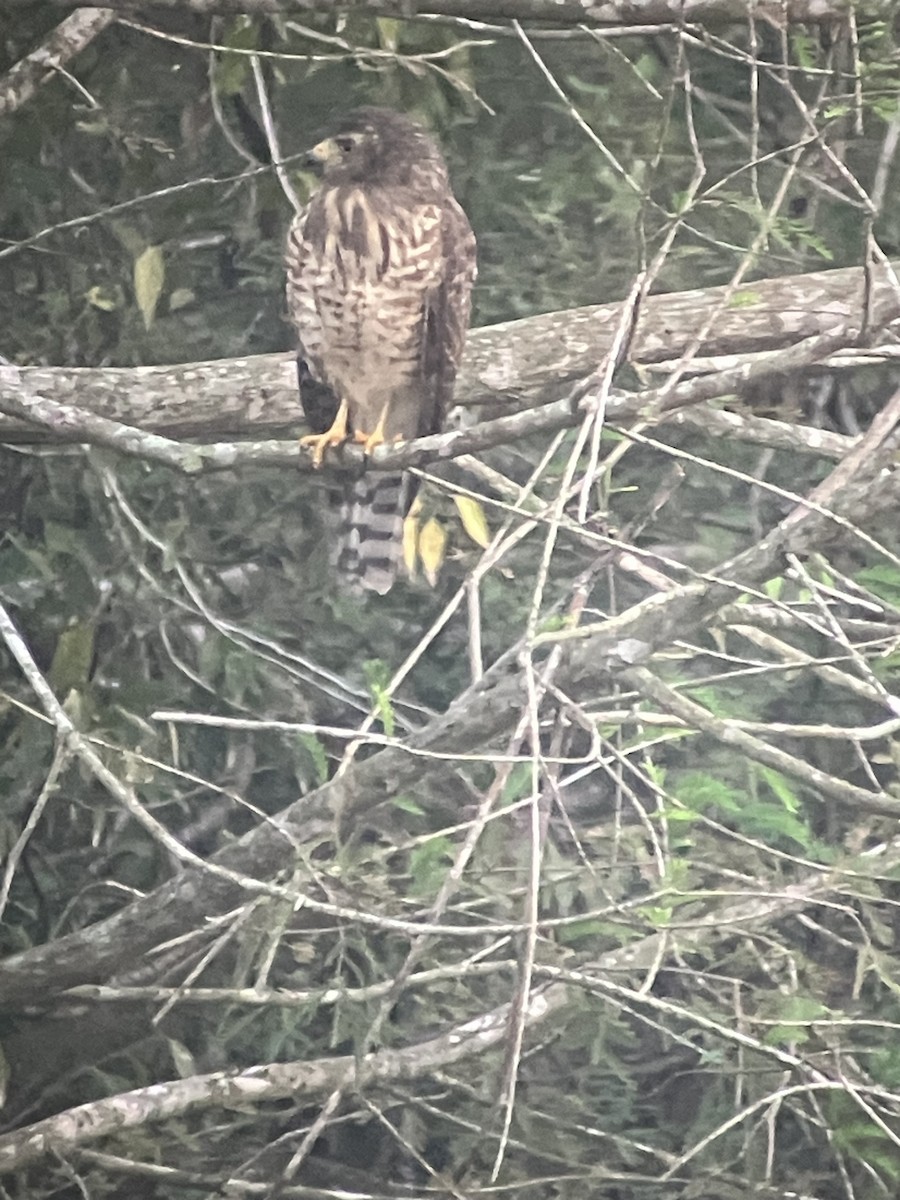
{"points": [[68, 39], [566, 12], [71, 424], [520, 364]]}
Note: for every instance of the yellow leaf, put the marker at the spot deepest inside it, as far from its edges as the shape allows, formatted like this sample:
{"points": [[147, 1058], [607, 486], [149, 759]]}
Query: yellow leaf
{"points": [[432, 542], [474, 521], [388, 32], [180, 298], [149, 275], [102, 298], [410, 537]]}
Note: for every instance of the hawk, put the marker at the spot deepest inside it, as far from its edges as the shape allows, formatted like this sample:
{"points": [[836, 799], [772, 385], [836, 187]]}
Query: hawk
{"points": [[380, 267]]}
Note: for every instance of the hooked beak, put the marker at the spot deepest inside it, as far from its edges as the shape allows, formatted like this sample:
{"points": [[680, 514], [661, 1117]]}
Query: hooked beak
{"points": [[325, 153]]}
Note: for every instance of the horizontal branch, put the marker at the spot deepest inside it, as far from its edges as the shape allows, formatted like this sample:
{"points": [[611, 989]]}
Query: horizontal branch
{"points": [[69, 38], [528, 363], [565, 12], [296, 1081], [70, 424]]}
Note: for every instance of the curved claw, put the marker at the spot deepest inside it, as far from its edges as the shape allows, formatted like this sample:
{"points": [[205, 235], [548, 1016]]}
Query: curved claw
{"points": [[370, 441], [335, 436]]}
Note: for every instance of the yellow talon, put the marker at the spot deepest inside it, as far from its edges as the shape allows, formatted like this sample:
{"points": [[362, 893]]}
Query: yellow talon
{"points": [[369, 441], [376, 438], [335, 436]]}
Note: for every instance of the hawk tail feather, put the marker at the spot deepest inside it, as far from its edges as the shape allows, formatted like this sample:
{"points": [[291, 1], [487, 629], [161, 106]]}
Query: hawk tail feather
{"points": [[370, 544]]}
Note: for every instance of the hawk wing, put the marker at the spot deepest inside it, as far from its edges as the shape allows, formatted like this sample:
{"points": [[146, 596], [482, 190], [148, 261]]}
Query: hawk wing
{"points": [[317, 399], [431, 320], [374, 510], [447, 318]]}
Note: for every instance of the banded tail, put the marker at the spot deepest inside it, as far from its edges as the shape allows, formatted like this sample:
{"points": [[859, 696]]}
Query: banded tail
{"points": [[370, 542]]}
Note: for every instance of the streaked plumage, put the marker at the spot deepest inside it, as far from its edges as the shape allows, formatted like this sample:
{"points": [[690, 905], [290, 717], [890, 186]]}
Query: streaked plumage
{"points": [[380, 268]]}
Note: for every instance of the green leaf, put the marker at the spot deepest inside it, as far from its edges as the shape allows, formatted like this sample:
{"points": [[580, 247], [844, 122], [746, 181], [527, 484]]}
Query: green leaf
{"points": [[698, 791], [72, 657], [428, 864], [657, 914], [407, 804], [316, 751], [781, 787], [590, 927], [232, 69], [883, 580], [744, 299], [770, 821], [518, 784], [377, 677], [803, 1009]]}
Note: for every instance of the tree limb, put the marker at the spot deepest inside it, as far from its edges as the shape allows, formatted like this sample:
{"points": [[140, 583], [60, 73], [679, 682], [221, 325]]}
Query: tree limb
{"points": [[529, 363], [565, 12], [69, 38], [66, 423], [309, 1080]]}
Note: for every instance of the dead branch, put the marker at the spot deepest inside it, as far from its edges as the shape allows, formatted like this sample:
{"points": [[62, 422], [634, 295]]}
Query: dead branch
{"points": [[69, 38], [308, 1080]]}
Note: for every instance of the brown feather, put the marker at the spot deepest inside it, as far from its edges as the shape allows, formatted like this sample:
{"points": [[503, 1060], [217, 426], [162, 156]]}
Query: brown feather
{"points": [[380, 267]]}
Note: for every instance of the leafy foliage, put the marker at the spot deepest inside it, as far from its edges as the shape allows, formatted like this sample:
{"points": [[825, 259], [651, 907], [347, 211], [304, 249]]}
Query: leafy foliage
{"points": [[140, 227]]}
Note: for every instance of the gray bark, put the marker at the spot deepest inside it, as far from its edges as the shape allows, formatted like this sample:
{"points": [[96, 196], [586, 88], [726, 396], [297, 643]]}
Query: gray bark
{"points": [[68, 39], [567, 12], [519, 364]]}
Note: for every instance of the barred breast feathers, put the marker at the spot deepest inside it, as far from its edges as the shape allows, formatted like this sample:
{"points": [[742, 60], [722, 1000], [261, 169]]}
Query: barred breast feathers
{"points": [[380, 265]]}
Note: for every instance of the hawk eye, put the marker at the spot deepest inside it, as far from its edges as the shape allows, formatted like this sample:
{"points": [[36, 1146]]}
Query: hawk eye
{"points": [[345, 143]]}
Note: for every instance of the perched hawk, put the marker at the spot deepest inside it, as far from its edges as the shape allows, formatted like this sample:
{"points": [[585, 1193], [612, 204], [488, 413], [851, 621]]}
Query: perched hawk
{"points": [[380, 266]]}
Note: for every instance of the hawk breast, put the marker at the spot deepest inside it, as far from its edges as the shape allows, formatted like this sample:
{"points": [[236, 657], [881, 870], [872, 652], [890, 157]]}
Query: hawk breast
{"points": [[360, 284]]}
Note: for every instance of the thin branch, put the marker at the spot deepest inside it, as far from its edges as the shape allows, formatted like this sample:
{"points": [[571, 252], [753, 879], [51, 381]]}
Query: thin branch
{"points": [[57, 768], [729, 734], [480, 714], [265, 108], [307, 1080]]}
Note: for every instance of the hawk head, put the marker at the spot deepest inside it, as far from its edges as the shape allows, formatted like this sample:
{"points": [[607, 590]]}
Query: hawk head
{"points": [[378, 147]]}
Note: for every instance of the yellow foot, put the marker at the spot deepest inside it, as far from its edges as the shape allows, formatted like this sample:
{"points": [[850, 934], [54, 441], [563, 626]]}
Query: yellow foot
{"points": [[369, 441], [376, 438], [319, 443], [335, 436]]}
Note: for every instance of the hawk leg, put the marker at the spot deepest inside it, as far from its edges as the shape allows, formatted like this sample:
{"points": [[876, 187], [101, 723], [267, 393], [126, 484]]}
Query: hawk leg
{"points": [[335, 436], [376, 437]]}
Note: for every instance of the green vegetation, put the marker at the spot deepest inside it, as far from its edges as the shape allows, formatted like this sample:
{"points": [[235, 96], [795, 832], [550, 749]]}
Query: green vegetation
{"points": [[715, 926]]}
